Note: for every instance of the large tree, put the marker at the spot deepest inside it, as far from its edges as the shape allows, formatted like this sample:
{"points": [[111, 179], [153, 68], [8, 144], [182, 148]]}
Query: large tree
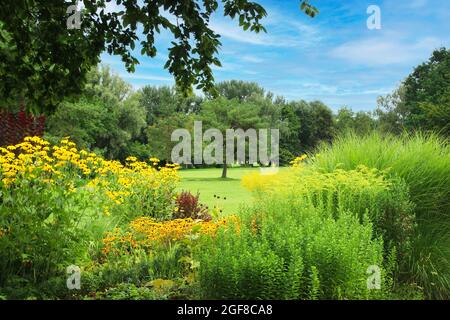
{"points": [[164, 101], [223, 114], [42, 60], [427, 93], [238, 89], [305, 124], [422, 102], [106, 118], [360, 122]]}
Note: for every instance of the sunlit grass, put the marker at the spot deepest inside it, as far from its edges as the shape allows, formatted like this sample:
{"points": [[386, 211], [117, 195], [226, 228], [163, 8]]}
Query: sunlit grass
{"points": [[209, 183]]}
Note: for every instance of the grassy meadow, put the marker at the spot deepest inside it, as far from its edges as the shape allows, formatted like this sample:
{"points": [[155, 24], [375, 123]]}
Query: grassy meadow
{"points": [[226, 194]]}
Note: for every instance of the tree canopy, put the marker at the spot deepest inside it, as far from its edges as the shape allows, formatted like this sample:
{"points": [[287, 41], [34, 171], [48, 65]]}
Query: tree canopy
{"points": [[422, 102], [43, 61]]}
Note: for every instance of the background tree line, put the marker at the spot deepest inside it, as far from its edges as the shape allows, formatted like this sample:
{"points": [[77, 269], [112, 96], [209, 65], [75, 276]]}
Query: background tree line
{"points": [[116, 121]]}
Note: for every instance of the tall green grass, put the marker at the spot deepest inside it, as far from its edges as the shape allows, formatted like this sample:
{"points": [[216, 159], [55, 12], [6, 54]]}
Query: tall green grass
{"points": [[422, 161]]}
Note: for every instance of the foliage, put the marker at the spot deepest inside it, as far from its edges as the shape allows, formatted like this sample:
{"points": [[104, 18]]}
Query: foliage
{"points": [[133, 270], [428, 88], [364, 192], [14, 127], [423, 163], [114, 121], [391, 111], [46, 61], [105, 119], [127, 291], [304, 125], [423, 100], [224, 114], [360, 122], [146, 233], [159, 134], [241, 90], [290, 252], [149, 254], [162, 102]]}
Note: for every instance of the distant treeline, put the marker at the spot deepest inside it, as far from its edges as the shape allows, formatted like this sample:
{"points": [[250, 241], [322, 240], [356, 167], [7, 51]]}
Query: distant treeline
{"points": [[112, 119]]}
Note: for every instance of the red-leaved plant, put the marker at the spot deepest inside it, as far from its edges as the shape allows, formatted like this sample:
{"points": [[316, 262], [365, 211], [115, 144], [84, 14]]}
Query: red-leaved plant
{"points": [[16, 126], [188, 206]]}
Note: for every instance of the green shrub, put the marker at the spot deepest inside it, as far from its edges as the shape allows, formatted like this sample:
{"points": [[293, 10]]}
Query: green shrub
{"points": [[137, 267], [128, 291], [363, 192], [423, 163], [42, 233], [291, 252]]}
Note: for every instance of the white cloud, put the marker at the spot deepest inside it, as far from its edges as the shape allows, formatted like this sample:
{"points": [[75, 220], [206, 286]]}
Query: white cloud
{"points": [[319, 88], [385, 51], [233, 32], [281, 32], [251, 58], [145, 77]]}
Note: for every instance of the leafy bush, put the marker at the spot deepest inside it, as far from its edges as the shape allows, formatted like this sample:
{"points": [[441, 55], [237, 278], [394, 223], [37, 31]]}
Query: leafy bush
{"points": [[188, 206], [129, 291], [291, 252], [423, 163], [137, 267]]}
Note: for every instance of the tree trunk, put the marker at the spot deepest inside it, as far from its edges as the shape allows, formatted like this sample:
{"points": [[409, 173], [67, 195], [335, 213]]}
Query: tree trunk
{"points": [[224, 171]]}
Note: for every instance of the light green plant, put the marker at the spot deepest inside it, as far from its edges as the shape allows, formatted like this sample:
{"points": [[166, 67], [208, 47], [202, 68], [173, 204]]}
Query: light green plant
{"points": [[422, 161]]}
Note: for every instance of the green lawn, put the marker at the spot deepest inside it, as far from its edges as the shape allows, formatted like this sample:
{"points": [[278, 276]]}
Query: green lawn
{"points": [[209, 183]]}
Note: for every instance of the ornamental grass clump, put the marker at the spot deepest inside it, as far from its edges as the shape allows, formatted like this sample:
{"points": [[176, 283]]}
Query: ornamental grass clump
{"points": [[422, 162], [363, 191]]}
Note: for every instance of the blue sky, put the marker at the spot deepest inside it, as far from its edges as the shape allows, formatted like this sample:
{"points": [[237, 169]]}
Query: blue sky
{"points": [[334, 57]]}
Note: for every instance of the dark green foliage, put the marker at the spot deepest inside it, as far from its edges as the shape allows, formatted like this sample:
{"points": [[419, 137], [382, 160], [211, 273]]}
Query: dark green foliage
{"points": [[105, 119], [44, 233], [163, 102], [45, 61], [223, 114], [360, 122], [241, 90], [423, 100], [304, 125]]}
